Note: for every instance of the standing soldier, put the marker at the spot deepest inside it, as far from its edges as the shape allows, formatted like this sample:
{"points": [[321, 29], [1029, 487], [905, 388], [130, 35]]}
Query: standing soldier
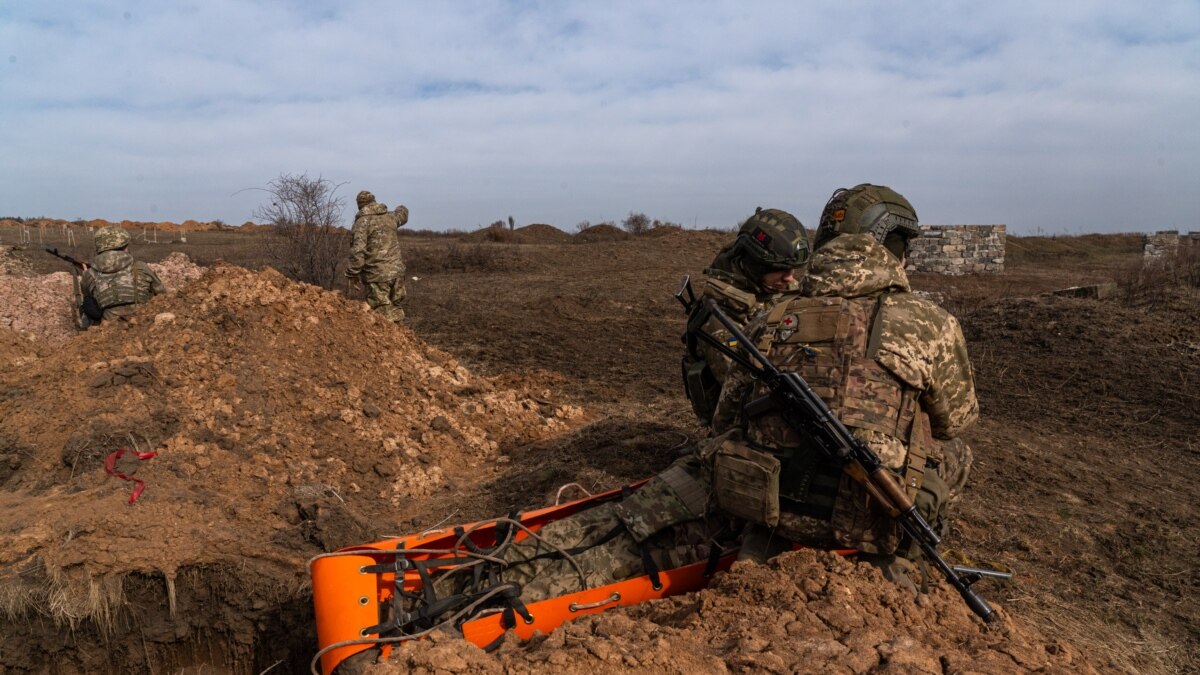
{"points": [[375, 255], [115, 282], [745, 276]]}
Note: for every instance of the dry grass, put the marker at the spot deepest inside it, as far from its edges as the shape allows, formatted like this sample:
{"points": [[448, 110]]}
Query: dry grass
{"points": [[1108, 646], [67, 598], [1089, 248], [461, 257], [1155, 282]]}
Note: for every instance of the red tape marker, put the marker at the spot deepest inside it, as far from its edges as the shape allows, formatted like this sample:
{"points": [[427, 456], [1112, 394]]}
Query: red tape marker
{"points": [[110, 467]]}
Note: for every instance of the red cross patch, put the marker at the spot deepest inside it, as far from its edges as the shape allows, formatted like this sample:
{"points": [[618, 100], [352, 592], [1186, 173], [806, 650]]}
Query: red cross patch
{"points": [[789, 322]]}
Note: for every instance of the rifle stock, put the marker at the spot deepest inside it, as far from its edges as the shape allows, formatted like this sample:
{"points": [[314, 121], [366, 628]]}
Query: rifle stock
{"points": [[809, 415]]}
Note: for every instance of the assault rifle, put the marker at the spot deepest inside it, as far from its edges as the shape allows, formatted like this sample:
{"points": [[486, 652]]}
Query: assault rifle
{"points": [[63, 256], [807, 413], [88, 311]]}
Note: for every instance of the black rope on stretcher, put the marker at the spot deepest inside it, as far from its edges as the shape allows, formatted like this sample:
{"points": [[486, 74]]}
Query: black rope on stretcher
{"points": [[313, 665]]}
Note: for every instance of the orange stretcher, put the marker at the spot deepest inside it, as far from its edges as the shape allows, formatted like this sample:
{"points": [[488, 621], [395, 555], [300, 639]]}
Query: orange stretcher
{"points": [[351, 592]]}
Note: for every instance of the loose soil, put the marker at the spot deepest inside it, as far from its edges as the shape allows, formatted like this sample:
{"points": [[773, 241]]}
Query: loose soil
{"points": [[289, 421]]}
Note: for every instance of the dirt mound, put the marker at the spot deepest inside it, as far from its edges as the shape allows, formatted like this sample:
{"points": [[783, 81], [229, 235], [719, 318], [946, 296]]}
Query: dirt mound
{"points": [[529, 234], [131, 225], [539, 233], [44, 305], [177, 270], [494, 233], [804, 611], [16, 350], [662, 231], [601, 232], [287, 421], [11, 264]]}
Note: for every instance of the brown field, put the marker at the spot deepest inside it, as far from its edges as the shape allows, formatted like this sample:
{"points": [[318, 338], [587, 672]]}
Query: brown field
{"points": [[289, 422]]}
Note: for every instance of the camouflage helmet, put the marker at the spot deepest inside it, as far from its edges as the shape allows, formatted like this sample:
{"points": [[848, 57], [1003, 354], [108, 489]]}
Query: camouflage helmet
{"points": [[402, 214], [364, 198], [869, 209], [771, 240], [110, 238]]}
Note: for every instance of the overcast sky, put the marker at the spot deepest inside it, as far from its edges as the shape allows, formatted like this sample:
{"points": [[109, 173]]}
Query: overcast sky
{"points": [[1063, 116]]}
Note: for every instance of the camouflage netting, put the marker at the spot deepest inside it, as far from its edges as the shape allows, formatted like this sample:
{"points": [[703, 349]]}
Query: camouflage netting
{"points": [[803, 612], [287, 421]]}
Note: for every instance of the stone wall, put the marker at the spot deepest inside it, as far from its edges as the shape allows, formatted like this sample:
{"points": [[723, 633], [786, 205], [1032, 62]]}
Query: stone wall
{"points": [[1166, 243], [958, 249]]}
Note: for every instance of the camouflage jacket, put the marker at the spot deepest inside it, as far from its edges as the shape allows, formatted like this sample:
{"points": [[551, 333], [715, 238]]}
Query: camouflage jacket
{"points": [[375, 249], [118, 282], [738, 297], [920, 343]]}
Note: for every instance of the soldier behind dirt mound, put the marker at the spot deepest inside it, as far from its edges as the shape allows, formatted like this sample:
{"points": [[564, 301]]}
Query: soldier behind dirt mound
{"points": [[375, 255], [746, 275], [115, 282], [891, 365]]}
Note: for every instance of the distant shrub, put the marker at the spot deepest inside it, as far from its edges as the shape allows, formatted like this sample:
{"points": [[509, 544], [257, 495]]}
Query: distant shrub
{"points": [[636, 223]]}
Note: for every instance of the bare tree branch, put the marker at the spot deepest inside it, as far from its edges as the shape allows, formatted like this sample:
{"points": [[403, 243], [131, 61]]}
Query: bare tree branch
{"points": [[307, 243]]}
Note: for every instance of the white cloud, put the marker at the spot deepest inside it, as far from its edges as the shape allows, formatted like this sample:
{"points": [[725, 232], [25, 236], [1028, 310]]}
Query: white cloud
{"points": [[1063, 118]]}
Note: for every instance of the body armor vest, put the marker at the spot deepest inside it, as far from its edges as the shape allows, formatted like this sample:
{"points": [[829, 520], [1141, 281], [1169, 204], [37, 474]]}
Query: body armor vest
{"points": [[120, 288], [831, 342]]}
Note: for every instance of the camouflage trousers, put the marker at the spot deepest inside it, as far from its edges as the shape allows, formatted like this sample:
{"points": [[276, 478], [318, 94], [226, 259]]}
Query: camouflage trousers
{"points": [[957, 459], [607, 543], [385, 296], [602, 551]]}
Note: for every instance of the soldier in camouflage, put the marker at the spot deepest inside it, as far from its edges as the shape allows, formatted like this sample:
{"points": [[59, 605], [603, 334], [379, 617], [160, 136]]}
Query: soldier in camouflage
{"points": [[745, 276], [375, 255], [891, 364], [114, 282]]}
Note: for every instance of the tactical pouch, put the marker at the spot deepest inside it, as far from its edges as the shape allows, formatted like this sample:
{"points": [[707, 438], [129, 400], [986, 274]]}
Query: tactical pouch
{"points": [[931, 500], [701, 387], [746, 482], [92, 310]]}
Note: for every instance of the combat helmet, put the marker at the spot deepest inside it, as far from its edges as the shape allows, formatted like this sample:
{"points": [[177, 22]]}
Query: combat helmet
{"points": [[110, 238], [364, 198], [402, 214], [876, 210], [771, 240]]}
